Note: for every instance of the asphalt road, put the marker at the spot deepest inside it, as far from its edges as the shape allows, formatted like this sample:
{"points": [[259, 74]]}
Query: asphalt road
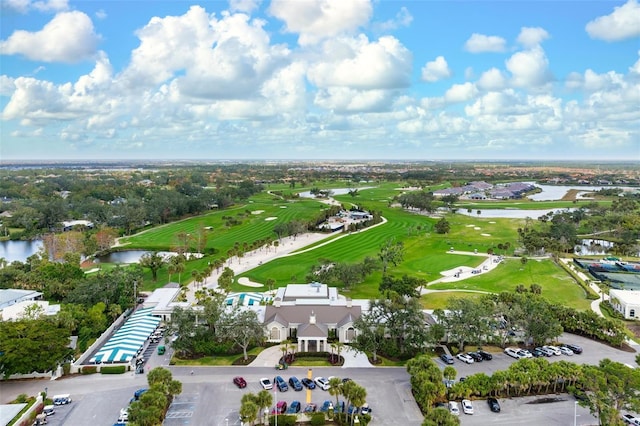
{"points": [[210, 398]]}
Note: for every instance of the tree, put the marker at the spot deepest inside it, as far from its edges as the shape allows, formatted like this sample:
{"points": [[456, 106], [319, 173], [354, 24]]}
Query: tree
{"points": [[32, 345], [466, 320], [391, 252], [249, 411], [440, 417], [609, 388], [335, 388], [154, 262], [241, 327], [442, 226], [226, 279], [370, 334]]}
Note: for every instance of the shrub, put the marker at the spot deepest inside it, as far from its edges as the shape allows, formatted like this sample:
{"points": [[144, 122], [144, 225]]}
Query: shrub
{"points": [[283, 420], [66, 368], [91, 369], [113, 369], [317, 419]]}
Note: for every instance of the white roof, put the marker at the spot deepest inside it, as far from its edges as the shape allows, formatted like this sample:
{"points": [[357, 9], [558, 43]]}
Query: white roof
{"points": [[16, 311], [628, 297]]}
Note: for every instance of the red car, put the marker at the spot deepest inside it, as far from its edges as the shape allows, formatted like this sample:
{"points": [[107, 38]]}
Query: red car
{"points": [[240, 382], [280, 408]]}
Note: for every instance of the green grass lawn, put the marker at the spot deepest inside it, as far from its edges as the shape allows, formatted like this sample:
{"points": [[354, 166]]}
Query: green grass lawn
{"points": [[557, 286], [426, 252]]}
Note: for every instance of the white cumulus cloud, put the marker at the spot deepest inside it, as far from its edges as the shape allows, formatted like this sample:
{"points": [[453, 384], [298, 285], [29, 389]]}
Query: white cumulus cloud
{"points": [[532, 36], [246, 6], [69, 37], [315, 20], [622, 23], [461, 93], [23, 6], [478, 43], [363, 64], [529, 68], [492, 79], [436, 70]]}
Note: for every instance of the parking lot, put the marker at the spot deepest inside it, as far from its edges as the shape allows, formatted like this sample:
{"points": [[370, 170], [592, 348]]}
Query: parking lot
{"points": [[209, 396]]}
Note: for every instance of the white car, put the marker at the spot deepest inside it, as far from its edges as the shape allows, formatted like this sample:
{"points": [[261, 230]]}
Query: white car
{"points": [[266, 383], [453, 408], [467, 408], [124, 415], [465, 358], [512, 352], [555, 350], [322, 383], [525, 353], [566, 351]]}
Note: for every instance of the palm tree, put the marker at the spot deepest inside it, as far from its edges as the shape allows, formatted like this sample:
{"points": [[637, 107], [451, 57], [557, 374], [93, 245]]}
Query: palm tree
{"points": [[264, 399], [335, 388]]}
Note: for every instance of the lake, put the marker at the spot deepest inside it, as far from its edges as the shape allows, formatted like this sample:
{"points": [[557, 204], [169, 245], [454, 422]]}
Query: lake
{"points": [[19, 250], [508, 213], [556, 192]]}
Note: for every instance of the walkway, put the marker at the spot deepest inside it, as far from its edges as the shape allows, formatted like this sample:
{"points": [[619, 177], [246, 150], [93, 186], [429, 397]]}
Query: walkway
{"points": [[352, 358]]}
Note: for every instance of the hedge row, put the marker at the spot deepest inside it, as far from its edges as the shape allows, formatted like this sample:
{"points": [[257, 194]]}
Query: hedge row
{"points": [[113, 369]]}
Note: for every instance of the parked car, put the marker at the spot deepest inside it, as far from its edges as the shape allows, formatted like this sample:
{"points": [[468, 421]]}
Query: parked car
{"points": [[447, 359], [575, 348], [294, 407], [453, 408], [467, 407], [311, 408], [629, 419], [326, 406], [494, 405], [308, 383], [546, 351], [281, 384], [553, 349], [322, 383], [485, 355], [137, 394], [124, 415], [465, 358], [295, 383], [266, 383], [240, 382], [352, 410], [476, 356], [525, 353], [280, 408], [365, 409], [49, 410], [512, 352], [537, 353], [61, 399], [566, 351]]}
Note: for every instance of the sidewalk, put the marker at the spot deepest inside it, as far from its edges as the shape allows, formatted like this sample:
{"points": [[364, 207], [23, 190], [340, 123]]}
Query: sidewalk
{"points": [[352, 358]]}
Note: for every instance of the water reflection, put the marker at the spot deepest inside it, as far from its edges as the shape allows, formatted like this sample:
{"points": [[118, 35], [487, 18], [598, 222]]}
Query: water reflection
{"points": [[591, 247], [19, 251], [127, 256]]}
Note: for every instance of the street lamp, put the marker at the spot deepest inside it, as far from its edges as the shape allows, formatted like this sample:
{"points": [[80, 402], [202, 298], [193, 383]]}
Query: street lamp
{"points": [[45, 391], [575, 413]]}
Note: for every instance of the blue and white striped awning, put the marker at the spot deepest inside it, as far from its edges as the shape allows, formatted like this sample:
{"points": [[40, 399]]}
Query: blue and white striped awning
{"points": [[125, 343]]}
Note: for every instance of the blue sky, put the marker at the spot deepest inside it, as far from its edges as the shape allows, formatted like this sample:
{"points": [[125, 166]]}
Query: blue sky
{"points": [[325, 79]]}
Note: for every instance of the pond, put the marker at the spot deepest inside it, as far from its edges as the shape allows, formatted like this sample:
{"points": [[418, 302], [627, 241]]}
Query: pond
{"points": [[508, 213], [593, 247], [127, 256], [19, 251], [334, 191], [556, 192]]}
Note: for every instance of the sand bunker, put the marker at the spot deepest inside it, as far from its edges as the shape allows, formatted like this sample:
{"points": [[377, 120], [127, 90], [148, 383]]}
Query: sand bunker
{"points": [[257, 211], [491, 222], [283, 207], [470, 226], [486, 235], [477, 228], [270, 218], [247, 282]]}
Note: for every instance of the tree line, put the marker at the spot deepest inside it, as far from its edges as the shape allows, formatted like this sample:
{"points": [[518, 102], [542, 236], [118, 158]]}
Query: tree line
{"points": [[605, 389]]}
